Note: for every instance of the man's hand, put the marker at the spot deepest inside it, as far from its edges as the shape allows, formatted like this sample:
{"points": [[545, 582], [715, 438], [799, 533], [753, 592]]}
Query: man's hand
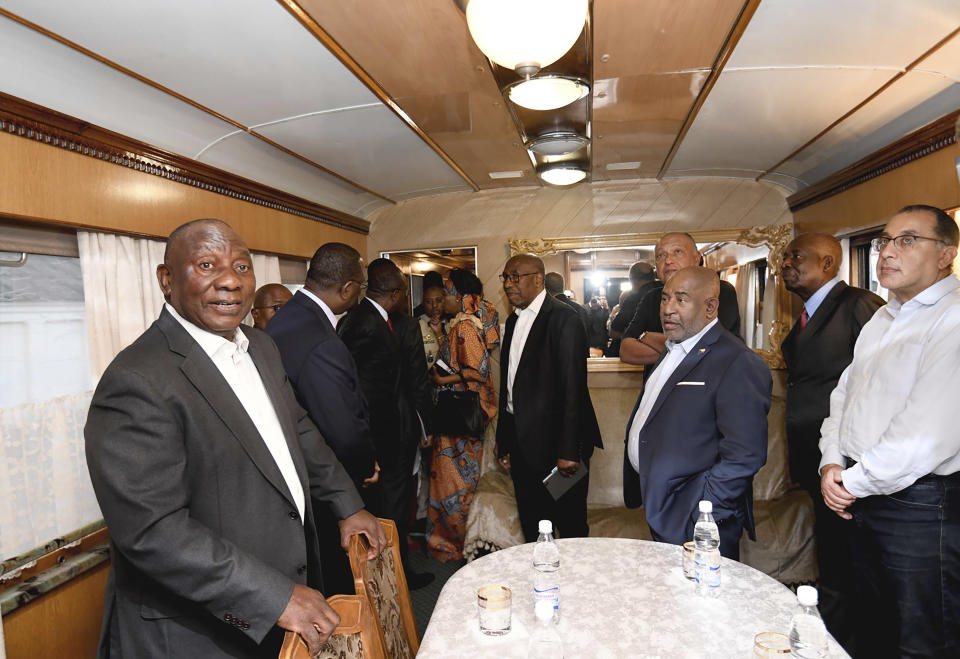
{"points": [[567, 467], [308, 614], [835, 495], [504, 461], [365, 523], [367, 482]]}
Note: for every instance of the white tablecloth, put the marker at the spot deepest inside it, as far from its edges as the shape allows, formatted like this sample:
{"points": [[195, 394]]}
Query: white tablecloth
{"points": [[619, 598]]}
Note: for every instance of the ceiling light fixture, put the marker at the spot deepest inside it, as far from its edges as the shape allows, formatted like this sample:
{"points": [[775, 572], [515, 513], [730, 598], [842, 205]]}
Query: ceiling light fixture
{"points": [[562, 174], [558, 143], [548, 92], [525, 35]]}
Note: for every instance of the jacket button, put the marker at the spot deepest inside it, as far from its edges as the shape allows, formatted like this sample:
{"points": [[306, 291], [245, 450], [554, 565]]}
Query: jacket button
{"points": [[228, 618], [301, 569], [246, 625], [294, 515]]}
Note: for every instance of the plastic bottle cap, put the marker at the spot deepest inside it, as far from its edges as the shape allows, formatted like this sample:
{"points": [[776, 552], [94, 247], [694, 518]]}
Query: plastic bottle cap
{"points": [[706, 506], [546, 526], [543, 609], [807, 595]]}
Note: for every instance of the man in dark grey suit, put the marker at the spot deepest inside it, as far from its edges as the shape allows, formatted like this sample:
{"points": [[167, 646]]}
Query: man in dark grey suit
{"points": [[817, 350], [201, 460]]}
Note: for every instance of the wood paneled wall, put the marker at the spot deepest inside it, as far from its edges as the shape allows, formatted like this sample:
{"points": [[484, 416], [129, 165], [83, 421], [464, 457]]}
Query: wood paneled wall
{"points": [[41, 183], [929, 180], [63, 623]]}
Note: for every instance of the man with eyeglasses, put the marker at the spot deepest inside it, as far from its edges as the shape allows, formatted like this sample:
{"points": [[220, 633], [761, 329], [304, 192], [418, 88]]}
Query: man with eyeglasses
{"points": [[267, 302], [325, 381], [546, 418], [891, 448]]}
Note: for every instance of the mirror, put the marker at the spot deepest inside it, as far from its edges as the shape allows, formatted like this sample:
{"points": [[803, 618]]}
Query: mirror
{"points": [[747, 258], [415, 263]]}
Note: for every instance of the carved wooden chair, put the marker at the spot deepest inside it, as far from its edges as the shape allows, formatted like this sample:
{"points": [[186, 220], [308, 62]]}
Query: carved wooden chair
{"points": [[383, 583], [356, 637]]}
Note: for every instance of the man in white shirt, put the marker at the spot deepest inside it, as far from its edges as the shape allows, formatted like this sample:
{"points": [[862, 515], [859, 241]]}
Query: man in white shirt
{"points": [[699, 428], [546, 418], [202, 461], [891, 449]]}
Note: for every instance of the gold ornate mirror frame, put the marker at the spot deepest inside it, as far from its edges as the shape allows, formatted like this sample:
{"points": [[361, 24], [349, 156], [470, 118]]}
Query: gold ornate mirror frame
{"points": [[775, 238]]}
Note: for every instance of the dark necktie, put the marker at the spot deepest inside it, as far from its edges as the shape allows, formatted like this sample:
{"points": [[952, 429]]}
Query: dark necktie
{"points": [[390, 325], [804, 317]]}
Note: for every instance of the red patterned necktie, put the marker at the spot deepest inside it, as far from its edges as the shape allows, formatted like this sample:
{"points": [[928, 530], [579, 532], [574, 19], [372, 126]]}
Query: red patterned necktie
{"points": [[804, 317], [390, 324]]}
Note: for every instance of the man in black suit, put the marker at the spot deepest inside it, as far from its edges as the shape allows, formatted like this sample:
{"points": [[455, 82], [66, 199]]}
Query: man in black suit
{"points": [[553, 282], [817, 350], [201, 458], [643, 339], [546, 416], [370, 337], [325, 380], [643, 280]]}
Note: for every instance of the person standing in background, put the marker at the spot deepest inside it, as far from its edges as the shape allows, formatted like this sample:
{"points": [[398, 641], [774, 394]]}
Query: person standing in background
{"points": [[267, 302]]}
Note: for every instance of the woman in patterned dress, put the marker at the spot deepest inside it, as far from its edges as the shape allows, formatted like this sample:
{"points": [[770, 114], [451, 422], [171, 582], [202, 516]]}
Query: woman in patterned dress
{"points": [[455, 464]]}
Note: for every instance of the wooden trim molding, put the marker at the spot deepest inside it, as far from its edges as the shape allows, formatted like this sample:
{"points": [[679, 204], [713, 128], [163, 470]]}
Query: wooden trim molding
{"points": [[34, 122], [934, 136]]}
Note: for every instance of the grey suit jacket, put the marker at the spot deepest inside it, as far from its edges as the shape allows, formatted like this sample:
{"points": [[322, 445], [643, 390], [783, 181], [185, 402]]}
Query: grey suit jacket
{"points": [[206, 542]]}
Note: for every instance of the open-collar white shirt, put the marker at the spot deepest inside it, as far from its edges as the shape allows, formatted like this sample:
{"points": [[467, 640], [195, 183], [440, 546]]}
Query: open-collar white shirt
{"points": [[521, 331], [894, 408], [676, 353], [235, 364]]}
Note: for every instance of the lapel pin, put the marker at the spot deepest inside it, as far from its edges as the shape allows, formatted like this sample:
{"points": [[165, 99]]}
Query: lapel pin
{"points": [[703, 349]]}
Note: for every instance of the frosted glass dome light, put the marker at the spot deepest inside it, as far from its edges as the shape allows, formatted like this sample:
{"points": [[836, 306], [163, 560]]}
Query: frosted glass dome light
{"points": [[548, 92], [562, 174], [525, 35]]}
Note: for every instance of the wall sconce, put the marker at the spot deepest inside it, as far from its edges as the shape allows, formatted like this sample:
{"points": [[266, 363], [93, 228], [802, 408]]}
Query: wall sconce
{"points": [[525, 35]]}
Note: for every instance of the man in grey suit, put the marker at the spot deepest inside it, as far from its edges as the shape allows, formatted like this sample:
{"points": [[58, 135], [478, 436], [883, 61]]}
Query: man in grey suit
{"points": [[204, 466]]}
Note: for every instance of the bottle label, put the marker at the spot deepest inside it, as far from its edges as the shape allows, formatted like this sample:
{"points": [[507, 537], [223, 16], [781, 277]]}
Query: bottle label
{"points": [[548, 592]]}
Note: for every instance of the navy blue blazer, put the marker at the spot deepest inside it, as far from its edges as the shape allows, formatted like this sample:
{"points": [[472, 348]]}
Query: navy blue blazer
{"points": [[703, 440], [324, 378]]}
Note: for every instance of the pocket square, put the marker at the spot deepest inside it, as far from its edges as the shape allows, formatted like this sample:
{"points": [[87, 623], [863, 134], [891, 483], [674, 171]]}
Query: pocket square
{"points": [[691, 384]]}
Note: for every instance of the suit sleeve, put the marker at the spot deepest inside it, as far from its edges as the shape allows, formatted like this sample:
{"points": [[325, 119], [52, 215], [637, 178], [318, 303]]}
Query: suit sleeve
{"points": [[863, 311], [335, 403], [742, 403], [365, 348], [569, 345], [418, 384], [138, 465]]}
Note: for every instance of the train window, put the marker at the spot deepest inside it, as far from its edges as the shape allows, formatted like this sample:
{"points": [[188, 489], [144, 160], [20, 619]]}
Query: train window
{"points": [[863, 263]]}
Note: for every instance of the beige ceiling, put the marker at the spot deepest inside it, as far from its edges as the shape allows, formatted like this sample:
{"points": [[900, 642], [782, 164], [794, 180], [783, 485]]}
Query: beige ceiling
{"points": [[360, 104]]}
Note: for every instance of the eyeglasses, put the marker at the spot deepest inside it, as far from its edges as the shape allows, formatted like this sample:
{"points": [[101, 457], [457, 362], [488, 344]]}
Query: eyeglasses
{"points": [[275, 307], [901, 242], [515, 278], [361, 284]]}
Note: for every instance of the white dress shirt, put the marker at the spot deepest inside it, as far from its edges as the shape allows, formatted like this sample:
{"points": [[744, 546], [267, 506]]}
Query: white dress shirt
{"points": [[659, 377], [894, 408], [383, 312], [814, 301], [323, 305], [521, 331], [235, 364]]}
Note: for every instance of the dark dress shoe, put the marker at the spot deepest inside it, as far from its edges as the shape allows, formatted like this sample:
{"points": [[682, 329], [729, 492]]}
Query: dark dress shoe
{"points": [[417, 580]]}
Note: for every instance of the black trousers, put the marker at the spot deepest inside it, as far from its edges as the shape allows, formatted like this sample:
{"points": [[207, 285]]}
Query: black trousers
{"points": [[391, 498], [534, 502], [334, 563]]}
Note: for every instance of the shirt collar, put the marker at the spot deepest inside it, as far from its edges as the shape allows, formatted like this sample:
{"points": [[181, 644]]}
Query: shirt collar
{"points": [[687, 345], [323, 305], [534, 306], [814, 301], [212, 343], [381, 310], [927, 297]]}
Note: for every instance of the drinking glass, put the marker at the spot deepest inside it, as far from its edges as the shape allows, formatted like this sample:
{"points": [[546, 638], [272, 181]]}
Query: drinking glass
{"points": [[689, 565], [493, 604], [771, 644]]}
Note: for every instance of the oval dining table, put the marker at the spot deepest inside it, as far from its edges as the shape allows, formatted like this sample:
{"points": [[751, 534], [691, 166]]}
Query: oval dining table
{"points": [[618, 598]]}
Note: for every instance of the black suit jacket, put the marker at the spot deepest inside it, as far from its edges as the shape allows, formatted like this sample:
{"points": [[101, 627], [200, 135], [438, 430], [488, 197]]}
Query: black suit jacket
{"points": [[702, 440], [582, 314], [414, 380], [324, 377], [816, 357], [552, 410], [376, 351], [206, 543]]}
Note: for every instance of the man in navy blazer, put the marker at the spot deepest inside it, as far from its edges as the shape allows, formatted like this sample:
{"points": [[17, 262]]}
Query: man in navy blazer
{"points": [[699, 429], [324, 378]]}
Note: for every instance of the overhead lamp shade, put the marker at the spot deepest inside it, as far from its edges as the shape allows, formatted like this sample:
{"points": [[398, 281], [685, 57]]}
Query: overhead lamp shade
{"points": [[525, 35], [559, 143], [562, 174], [548, 92]]}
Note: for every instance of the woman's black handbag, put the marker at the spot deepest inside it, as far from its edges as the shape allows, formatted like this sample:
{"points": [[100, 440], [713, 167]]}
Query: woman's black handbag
{"points": [[458, 414]]}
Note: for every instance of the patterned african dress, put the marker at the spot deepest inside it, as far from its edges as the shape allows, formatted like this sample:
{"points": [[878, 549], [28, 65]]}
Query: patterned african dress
{"points": [[455, 463]]}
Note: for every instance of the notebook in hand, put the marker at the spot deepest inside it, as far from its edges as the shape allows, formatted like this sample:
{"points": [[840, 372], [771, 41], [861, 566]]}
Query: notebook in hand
{"points": [[558, 484]]}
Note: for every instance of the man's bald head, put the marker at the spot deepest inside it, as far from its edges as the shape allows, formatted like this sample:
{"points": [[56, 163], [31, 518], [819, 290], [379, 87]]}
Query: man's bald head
{"points": [[675, 250], [809, 262], [690, 300], [267, 301]]}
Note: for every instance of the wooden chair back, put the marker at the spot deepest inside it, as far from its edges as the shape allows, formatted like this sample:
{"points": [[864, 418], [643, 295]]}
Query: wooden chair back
{"points": [[356, 637], [382, 582]]}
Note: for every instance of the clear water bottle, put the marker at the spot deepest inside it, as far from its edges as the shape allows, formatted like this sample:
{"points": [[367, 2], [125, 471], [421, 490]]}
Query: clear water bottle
{"points": [[545, 642], [546, 564], [706, 552], [808, 635]]}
